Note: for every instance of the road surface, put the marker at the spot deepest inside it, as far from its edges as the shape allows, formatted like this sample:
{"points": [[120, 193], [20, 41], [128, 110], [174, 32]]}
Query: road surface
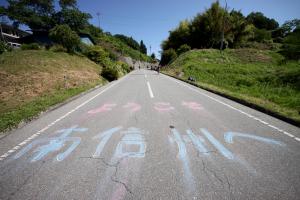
{"points": [[149, 136]]}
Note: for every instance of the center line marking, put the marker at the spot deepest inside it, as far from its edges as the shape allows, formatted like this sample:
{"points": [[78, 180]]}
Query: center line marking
{"points": [[150, 90]]}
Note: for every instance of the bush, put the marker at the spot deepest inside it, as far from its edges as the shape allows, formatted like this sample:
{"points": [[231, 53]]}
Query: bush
{"points": [[125, 67], [97, 54], [3, 47], [113, 56], [63, 34], [291, 46], [262, 35], [266, 45], [168, 56], [183, 48], [31, 46], [110, 73], [58, 48]]}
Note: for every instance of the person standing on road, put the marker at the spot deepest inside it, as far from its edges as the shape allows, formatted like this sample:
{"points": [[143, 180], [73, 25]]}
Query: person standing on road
{"points": [[158, 68]]}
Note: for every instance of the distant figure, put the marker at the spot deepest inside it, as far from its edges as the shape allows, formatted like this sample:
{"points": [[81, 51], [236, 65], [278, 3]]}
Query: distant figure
{"points": [[139, 67], [158, 68]]}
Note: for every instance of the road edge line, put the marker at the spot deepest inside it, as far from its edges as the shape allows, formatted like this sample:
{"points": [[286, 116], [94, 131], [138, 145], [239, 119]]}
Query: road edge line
{"points": [[29, 139], [229, 106]]}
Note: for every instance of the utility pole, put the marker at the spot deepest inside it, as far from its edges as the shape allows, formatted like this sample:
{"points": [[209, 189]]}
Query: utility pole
{"points": [[98, 14], [150, 50], [222, 35]]}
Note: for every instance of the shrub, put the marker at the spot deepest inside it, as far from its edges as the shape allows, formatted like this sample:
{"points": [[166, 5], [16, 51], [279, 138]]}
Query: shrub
{"points": [[110, 73], [2, 47], [58, 48], [97, 54], [125, 67], [31, 46], [291, 46], [63, 34], [113, 56], [266, 45], [261, 35], [168, 56], [183, 48]]}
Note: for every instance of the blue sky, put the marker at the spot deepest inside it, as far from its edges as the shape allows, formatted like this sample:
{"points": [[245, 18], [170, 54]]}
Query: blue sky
{"points": [[151, 20]]}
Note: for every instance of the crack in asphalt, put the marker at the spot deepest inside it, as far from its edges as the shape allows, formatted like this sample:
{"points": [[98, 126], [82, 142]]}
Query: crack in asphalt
{"points": [[223, 182], [206, 170], [116, 166], [229, 187]]}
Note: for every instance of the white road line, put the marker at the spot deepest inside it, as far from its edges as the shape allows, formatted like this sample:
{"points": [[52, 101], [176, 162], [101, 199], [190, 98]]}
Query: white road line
{"points": [[11, 151], [240, 111], [150, 90]]}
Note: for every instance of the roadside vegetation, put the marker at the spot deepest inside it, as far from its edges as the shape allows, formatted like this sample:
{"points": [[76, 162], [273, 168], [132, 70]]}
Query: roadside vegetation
{"points": [[40, 75], [247, 57], [256, 76], [33, 80], [118, 46]]}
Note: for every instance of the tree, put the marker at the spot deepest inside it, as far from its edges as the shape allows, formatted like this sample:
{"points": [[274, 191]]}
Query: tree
{"points": [[41, 14], [37, 14], [94, 31], [153, 56], [129, 41], [262, 22], [261, 35], [143, 47], [67, 3], [63, 34], [178, 36], [291, 45], [168, 56], [73, 17], [209, 29], [290, 26], [240, 30], [183, 48]]}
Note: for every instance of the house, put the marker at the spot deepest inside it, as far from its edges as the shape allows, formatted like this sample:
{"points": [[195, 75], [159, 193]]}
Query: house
{"points": [[12, 35], [42, 38]]}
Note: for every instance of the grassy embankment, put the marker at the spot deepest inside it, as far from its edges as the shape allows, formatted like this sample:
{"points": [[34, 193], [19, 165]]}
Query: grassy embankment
{"points": [[114, 44], [255, 76], [33, 80]]}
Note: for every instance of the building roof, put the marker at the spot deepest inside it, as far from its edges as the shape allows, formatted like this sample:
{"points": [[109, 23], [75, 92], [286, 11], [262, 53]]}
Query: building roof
{"points": [[12, 28]]}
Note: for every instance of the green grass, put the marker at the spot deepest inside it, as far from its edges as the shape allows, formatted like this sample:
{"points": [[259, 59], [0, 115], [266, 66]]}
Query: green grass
{"points": [[257, 76], [117, 45], [33, 80], [27, 111], [40, 60]]}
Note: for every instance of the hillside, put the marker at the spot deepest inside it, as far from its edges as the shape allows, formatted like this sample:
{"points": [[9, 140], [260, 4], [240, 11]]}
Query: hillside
{"points": [[256, 76], [33, 80], [117, 46]]}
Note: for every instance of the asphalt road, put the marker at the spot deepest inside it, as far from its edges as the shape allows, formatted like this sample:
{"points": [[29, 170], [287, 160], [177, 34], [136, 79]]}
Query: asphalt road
{"points": [[148, 136]]}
